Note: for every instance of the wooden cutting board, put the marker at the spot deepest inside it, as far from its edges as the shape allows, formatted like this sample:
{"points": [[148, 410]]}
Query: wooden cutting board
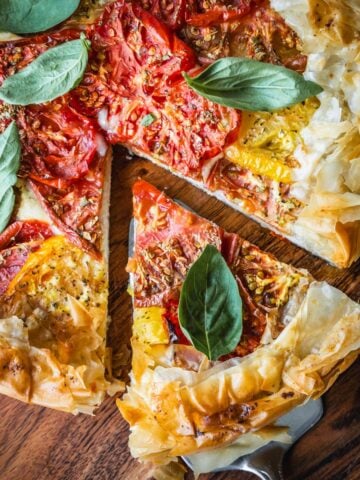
{"points": [[40, 444]]}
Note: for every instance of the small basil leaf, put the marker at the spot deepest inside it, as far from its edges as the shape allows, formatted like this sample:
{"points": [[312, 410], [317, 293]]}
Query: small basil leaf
{"points": [[54, 73], [210, 308], [30, 16], [251, 85], [10, 152], [148, 120]]}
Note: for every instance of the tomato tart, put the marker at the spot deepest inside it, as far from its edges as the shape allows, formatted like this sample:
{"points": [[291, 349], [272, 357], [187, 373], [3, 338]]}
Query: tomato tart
{"points": [[159, 78]]}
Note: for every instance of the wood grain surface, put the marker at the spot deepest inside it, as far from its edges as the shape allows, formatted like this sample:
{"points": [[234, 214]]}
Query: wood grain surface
{"points": [[40, 444]]}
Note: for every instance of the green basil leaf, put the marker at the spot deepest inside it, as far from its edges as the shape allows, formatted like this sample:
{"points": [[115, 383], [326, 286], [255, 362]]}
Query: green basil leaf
{"points": [[10, 152], [7, 179], [7, 202], [251, 85], [54, 73], [30, 16], [210, 308], [148, 120]]}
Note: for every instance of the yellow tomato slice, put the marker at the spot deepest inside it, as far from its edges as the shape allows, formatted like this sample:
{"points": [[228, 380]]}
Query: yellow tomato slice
{"points": [[150, 325], [260, 162]]}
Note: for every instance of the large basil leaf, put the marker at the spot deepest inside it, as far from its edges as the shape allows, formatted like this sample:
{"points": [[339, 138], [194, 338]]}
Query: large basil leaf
{"points": [[10, 152], [251, 85], [52, 74], [210, 309], [30, 16]]}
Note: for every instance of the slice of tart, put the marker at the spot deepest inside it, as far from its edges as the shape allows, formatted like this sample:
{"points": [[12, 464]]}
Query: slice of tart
{"points": [[54, 250], [297, 334]]}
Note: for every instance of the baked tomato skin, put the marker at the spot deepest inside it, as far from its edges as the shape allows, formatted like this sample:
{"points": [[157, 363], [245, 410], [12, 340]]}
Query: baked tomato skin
{"points": [[16, 243], [58, 142], [245, 28], [219, 12], [172, 13]]}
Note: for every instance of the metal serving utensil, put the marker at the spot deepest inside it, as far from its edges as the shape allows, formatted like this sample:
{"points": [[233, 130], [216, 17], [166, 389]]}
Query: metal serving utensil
{"points": [[266, 462]]}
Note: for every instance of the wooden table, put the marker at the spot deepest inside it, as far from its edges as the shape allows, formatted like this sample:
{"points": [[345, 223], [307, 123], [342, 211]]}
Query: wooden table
{"points": [[40, 444]]}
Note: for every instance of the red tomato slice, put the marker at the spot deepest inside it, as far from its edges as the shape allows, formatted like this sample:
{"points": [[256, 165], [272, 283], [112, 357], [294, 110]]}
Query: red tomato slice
{"points": [[133, 55], [23, 232], [58, 143], [242, 28], [176, 14], [75, 210], [11, 262], [16, 243], [168, 235], [60, 156]]}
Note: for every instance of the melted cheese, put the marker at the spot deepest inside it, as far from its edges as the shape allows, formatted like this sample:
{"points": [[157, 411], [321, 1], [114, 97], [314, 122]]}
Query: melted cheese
{"points": [[8, 36], [29, 207]]}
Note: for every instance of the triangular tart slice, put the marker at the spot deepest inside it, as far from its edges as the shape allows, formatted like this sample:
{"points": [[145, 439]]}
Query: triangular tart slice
{"points": [[297, 336]]}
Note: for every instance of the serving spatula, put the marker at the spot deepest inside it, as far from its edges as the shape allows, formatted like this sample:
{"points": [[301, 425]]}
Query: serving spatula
{"points": [[266, 462]]}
